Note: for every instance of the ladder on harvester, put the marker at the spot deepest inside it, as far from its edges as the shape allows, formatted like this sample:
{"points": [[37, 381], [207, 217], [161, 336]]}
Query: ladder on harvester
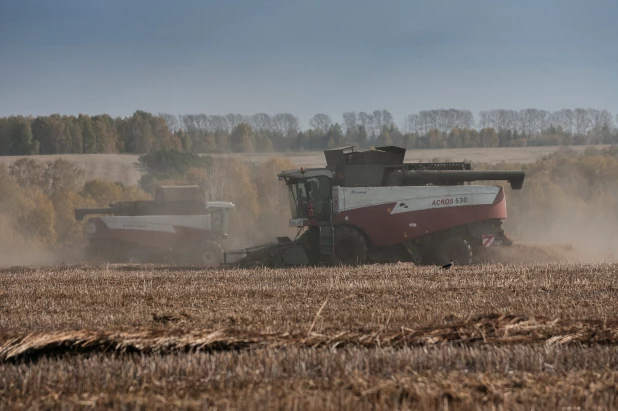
{"points": [[327, 240]]}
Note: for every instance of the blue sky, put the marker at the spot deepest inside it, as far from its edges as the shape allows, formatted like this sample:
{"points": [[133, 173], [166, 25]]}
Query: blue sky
{"points": [[304, 57]]}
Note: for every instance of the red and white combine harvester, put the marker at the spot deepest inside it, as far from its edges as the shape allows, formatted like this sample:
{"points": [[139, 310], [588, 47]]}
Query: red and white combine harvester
{"points": [[179, 225], [370, 206]]}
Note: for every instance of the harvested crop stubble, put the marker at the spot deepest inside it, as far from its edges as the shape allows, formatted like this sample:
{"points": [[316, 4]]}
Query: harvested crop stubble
{"points": [[491, 329], [406, 337], [519, 377], [360, 299]]}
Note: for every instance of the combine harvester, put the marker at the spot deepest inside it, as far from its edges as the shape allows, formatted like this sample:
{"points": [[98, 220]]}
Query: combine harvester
{"points": [[370, 206], [179, 226]]}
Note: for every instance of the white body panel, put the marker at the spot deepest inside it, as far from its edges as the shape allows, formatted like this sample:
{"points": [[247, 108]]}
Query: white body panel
{"points": [[412, 198], [158, 223]]}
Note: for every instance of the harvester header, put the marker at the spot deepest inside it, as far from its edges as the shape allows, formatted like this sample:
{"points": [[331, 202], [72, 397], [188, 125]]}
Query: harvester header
{"points": [[168, 200]]}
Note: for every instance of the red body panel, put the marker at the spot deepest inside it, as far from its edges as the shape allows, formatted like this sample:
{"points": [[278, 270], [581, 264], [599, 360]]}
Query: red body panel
{"points": [[386, 229]]}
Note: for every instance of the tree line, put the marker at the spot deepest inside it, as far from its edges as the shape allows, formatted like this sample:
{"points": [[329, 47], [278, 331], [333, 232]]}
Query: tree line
{"points": [[144, 132], [39, 198]]}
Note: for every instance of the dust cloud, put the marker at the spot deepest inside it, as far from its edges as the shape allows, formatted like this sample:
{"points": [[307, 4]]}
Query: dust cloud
{"points": [[566, 212], [569, 200], [16, 250], [569, 236]]}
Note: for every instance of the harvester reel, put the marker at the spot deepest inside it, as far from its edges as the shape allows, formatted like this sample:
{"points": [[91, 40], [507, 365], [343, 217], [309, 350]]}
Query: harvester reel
{"points": [[454, 249], [350, 246]]}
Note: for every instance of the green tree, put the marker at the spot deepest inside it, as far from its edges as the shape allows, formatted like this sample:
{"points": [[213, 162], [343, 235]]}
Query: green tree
{"points": [[242, 139], [409, 140], [28, 172], [361, 137], [455, 138], [489, 137], [302, 142], [505, 137], [75, 134], [19, 137], [264, 144], [167, 164], [51, 132], [61, 176], [184, 139], [88, 135], [163, 137], [136, 132], [384, 139], [4, 136], [434, 139], [106, 132], [334, 135]]}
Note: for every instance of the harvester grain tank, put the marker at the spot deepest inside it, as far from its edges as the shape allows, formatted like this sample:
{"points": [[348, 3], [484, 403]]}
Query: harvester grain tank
{"points": [[370, 206], [179, 225]]}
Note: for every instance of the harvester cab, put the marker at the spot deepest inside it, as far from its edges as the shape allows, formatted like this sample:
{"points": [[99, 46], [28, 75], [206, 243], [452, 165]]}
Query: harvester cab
{"points": [[370, 206], [310, 195], [179, 225]]}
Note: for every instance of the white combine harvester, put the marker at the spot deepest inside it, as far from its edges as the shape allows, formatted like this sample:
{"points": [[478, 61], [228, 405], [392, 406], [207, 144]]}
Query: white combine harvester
{"points": [[179, 226]]}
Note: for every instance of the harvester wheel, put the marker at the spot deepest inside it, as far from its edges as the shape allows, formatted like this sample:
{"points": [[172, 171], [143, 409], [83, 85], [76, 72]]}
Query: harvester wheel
{"points": [[136, 256], [454, 249], [350, 246], [211, 254]]}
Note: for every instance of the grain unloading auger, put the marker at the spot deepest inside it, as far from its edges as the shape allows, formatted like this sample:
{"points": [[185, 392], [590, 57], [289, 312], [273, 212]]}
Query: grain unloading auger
{"points": [[370, 206], [179, 225]]}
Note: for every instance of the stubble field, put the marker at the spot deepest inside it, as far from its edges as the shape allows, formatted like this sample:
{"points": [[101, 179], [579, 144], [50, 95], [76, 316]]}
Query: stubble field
{"points": [[517, 336]]}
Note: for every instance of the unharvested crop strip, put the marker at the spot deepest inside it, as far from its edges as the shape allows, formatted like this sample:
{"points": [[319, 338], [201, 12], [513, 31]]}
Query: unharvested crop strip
{"points": [[488, 329]]}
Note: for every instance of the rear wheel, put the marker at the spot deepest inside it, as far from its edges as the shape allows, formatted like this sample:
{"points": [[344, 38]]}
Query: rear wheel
{"points": [[137, 255], [454, 249], [350, 246], [133, 259]]}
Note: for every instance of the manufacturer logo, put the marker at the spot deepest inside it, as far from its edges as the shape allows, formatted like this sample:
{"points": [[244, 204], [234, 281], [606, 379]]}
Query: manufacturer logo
{"points": [[449, 201]]}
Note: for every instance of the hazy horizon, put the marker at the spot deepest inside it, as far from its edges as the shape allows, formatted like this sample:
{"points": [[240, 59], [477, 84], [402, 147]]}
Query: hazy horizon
{"points": [[116, 57]]}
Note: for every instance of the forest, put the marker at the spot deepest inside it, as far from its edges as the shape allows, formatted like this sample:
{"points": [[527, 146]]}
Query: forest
{"points": [[144, 132]]}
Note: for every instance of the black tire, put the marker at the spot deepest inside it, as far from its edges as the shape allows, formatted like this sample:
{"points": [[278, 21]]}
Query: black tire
{"points": [[454, 249], [350, 246], [135, 259], [137, 255]]}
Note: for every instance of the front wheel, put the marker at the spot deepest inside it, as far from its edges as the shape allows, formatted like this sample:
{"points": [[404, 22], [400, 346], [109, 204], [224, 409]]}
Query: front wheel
{"points": [[350, 246], [212, 254], [209, 254]]}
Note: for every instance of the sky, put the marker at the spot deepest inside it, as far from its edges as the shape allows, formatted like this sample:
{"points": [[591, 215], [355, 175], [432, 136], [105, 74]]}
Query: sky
{"points": [[306, 57]]}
